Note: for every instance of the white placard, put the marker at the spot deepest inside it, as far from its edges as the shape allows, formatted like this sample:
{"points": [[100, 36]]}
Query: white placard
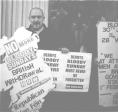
{"points": [[71, 71], [30, 77], [108, 63]]}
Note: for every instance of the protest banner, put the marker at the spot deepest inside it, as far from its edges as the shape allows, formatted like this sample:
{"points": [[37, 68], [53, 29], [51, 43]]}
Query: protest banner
{"points": [[71, 71], [108, 63]]}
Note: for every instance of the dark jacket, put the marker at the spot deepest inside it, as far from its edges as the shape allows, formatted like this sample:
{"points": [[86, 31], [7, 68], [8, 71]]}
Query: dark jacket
{"points": [[62, 37], [43, 44]]}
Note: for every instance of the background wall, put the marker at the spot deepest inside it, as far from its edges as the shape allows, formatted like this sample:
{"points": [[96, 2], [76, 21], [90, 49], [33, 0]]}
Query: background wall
{"points": [[14, 13]]}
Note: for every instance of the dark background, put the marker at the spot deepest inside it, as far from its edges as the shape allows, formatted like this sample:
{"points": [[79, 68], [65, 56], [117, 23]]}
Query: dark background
{"points": [[84, 15]]}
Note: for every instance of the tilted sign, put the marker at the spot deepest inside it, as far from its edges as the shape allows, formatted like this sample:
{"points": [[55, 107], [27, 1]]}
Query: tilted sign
{"points": [[30, 77]]}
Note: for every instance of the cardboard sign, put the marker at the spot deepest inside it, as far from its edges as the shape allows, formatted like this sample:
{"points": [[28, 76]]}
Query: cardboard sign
{"points": [[71, 71], [30, 77], [108, 63]]}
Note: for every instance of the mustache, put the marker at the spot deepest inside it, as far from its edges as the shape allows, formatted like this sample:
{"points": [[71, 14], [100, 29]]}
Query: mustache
{"points": [[35, 23]]}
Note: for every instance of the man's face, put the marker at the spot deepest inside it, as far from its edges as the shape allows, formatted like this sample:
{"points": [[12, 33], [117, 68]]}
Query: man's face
{"points": [[36, 19]]}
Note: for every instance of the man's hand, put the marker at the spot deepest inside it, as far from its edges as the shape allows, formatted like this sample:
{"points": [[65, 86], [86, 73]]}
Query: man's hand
{"points": [[64, 50]]}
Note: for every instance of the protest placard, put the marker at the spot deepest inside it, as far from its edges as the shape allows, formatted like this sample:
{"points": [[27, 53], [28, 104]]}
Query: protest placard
{"points": [[71, 71], [108, 63], [30, 77]]}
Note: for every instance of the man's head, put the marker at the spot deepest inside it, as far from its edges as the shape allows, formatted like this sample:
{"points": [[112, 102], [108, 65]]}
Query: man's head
{"points": [[36, 18]]}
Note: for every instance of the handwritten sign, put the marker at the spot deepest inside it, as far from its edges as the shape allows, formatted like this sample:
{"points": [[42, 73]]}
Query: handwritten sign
{"points": [[108, 63], [71, 71]]}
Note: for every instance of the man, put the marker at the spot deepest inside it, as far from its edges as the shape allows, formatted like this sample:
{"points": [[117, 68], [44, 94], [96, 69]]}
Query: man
{"points": [[63, 37], [47, 36], [36, 18], [50, 38]]}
